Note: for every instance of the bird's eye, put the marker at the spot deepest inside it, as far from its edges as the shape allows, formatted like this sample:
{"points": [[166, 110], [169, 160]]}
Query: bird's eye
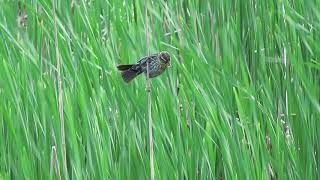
{"points": [[164, 57]]}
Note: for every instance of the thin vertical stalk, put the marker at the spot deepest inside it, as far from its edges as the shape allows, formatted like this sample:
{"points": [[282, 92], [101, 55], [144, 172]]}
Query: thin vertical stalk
{"points": [[285, 65], [60, 93], [54, 163], [285, 77], [148, 89], [286, 126]]}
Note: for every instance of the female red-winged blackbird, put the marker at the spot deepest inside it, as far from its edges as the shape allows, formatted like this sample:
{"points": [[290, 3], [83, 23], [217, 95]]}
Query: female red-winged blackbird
{"points": [[157, 64]]}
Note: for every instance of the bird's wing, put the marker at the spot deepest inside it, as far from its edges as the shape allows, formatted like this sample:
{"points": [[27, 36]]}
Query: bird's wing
{"points": [[143, 61]]}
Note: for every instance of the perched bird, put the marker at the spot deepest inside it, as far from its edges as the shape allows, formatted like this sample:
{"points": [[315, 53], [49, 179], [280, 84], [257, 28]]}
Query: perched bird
{"points": [[157, 65]]}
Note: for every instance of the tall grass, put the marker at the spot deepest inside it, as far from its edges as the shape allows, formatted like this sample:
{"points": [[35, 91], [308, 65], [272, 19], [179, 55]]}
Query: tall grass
{"points": [[240, 102]]}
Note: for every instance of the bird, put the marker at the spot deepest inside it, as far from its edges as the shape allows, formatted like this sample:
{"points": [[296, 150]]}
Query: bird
{"points": [[158, 63]]}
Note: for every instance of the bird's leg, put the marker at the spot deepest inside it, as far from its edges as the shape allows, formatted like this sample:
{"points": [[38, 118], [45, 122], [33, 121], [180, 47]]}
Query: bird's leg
{"points": [[148, 88]]}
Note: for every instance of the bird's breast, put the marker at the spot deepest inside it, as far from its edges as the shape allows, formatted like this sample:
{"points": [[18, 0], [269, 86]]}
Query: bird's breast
{"points": [[155, 68]]}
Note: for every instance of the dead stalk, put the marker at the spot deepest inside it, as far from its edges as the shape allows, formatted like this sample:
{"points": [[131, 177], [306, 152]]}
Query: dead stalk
{"points": [[60, 95], [148, 89], [54, 163]]}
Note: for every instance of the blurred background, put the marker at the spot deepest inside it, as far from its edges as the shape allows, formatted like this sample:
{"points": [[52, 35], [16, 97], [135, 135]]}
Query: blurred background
{"points": [[241, 100]]}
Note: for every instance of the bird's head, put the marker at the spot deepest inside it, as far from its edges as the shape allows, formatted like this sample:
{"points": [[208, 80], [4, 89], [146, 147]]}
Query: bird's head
{"points": [[164, 57]]}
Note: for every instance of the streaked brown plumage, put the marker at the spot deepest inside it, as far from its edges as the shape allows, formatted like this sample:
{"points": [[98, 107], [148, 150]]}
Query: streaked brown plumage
{"points": [[157, 65]]}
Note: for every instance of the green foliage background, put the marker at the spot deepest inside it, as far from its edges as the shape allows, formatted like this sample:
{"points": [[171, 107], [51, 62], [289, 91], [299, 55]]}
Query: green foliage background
{"points": [[241, 100]]}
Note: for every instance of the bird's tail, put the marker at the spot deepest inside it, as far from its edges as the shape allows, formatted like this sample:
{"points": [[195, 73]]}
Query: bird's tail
{"points": [[127, 73], [123, 67]]}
